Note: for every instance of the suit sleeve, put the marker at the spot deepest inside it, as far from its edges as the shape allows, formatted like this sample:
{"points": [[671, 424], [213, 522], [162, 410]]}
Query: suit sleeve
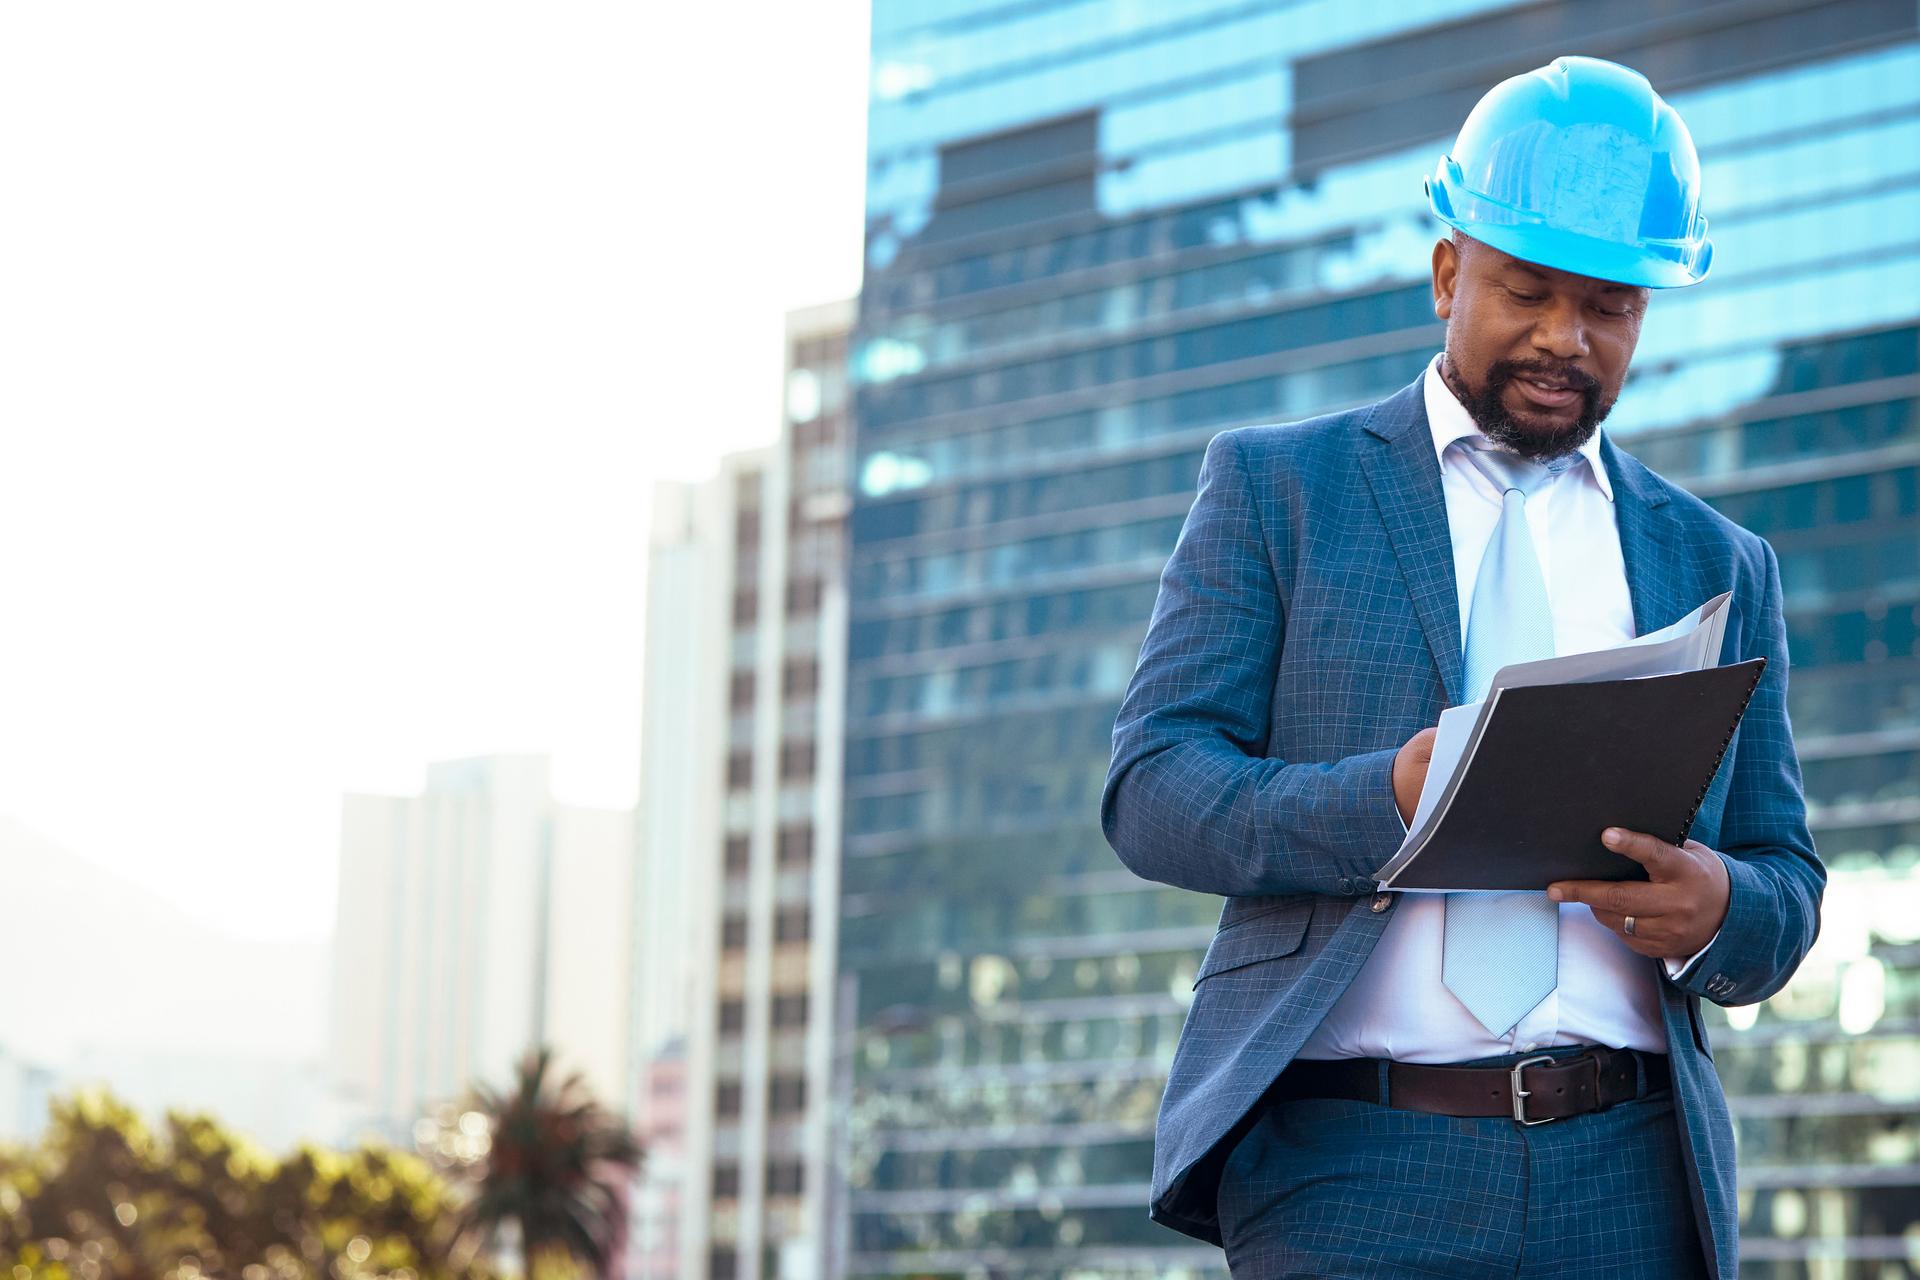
{"points": [[1190, 799], [1775, 879]]}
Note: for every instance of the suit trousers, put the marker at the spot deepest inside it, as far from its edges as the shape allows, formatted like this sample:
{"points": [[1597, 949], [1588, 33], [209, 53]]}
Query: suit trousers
{"points": [[1332, 1187]]}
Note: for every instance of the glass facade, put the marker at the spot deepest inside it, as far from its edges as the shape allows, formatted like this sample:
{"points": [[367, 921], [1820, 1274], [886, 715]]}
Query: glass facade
{"points": [[1101, 232]]}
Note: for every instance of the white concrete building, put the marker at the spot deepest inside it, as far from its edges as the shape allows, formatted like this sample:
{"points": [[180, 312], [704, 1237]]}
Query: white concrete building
{"points": [[476, 919], [740, 776], [682, 734]]}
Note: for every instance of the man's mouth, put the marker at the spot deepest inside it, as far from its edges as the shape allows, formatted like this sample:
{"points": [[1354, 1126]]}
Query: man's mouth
{"points": [[1548, 393]]}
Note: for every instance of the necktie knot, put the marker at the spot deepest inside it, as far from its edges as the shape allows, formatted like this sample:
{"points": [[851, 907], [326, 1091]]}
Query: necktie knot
{"points": [[1509, 471]]}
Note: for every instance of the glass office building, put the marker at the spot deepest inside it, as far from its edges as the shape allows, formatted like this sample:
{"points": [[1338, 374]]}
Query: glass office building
{"points": [[1100, 232]]}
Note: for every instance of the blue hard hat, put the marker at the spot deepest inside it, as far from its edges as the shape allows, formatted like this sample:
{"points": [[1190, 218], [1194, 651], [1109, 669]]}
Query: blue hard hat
{"points": [[1579, 165]]}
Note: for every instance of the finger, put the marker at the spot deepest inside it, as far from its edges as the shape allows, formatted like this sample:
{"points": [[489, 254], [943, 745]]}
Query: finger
{"points": [[1651, 852], [1648, 938], [1622, 897]]}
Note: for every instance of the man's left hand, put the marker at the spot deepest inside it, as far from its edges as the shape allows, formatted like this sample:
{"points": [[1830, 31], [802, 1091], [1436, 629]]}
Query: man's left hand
{"points": [[1674, 914]]}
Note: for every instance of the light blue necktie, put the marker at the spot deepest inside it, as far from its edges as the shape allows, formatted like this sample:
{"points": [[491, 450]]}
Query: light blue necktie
{"points": [[1501, 956]]}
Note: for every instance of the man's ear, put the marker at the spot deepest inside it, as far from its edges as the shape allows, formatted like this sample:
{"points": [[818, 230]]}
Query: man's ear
{"points": [[1446, 274]]}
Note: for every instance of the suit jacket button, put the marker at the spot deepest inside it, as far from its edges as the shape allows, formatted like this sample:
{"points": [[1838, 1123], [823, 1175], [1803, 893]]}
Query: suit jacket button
{"points": [[1381, 901], [1346, 884]]}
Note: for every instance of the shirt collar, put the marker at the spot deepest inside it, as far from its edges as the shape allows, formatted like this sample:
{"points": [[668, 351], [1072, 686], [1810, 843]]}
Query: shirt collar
{"points": [[1448, 419]]}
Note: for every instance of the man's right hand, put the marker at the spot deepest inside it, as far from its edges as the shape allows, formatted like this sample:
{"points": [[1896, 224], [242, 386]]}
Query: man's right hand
{"points": [[1410, 771]]}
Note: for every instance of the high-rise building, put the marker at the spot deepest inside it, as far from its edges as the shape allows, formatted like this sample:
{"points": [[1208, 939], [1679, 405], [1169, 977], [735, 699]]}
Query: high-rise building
{"points": [[1100, 232], [475, 920], [740, 765], [682, 730]]}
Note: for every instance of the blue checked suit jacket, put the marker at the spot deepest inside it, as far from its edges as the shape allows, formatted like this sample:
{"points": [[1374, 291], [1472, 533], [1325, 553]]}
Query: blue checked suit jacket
{"points": [[1307, 625]]}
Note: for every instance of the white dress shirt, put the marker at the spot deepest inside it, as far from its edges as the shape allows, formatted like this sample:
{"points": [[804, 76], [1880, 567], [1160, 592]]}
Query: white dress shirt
{"points": [[1398, 1007]]}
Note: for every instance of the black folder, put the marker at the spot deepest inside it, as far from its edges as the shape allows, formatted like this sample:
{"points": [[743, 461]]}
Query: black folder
{"points": [[1549, 767]]}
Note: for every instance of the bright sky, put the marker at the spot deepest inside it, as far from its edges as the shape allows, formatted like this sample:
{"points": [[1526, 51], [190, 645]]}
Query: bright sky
{"points": [[340, 345]]}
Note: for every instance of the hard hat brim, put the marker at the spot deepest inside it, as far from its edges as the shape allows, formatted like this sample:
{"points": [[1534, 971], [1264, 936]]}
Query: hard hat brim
{"points": [[1662, 265]]}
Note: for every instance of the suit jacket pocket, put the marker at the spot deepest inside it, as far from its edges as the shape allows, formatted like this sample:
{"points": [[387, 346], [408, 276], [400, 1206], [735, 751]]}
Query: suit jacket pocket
{"points": [[1250, 939]]}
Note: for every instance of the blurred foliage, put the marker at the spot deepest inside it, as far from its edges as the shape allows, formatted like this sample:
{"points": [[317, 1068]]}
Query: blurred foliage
{"points": [[103, 1196], [555, 1168]]}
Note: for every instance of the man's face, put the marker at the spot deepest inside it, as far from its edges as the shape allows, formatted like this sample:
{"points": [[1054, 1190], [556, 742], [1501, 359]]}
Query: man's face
{"points": [[1537, 355]]}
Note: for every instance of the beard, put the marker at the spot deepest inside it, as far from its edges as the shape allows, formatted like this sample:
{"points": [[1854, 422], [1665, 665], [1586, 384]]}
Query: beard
{"points": [[1489, 412]]}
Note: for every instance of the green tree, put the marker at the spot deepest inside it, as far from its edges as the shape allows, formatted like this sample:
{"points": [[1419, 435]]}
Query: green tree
{"points": [[555, 1164], [101, 1196]]}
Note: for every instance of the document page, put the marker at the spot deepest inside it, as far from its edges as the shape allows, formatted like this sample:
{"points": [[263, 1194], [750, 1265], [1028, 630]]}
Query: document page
{"points": [[1449, 744], [1690, 644], [1687, 645]]}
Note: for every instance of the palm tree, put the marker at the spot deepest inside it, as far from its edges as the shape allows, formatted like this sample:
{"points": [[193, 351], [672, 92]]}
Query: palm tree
{"points": [[554, 1167]]}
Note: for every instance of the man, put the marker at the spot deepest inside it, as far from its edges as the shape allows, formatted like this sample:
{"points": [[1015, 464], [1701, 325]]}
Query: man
{"points": [[1373, 1083]]}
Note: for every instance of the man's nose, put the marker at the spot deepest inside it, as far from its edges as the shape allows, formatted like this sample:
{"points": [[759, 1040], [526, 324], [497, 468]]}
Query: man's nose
{"points": [[1560, 330]]}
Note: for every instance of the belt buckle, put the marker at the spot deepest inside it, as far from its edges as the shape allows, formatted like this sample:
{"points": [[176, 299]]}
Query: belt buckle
{"points": [[1520, 1095]]}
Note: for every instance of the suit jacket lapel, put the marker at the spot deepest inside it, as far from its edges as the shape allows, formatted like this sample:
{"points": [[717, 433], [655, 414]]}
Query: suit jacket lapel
{"points": [[1661, 578], [1405, 477]]}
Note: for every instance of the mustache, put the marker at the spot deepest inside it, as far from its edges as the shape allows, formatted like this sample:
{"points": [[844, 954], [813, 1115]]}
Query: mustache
{"points": [[1504, 371]]}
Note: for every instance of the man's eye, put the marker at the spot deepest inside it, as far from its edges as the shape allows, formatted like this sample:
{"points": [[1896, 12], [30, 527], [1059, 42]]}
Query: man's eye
{"points": [[1524, 297]]}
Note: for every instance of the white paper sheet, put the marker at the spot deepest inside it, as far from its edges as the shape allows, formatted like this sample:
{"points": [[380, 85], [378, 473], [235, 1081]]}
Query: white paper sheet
{"points": [[1690, 644]]}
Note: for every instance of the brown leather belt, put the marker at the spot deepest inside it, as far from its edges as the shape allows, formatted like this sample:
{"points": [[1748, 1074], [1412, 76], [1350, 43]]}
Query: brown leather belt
{"points": [[1531, 1090]]}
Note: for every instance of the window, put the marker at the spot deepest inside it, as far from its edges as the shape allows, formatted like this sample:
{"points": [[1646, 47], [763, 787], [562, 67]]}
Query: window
{"points": [[796, 760], [737, 855], [726, 1098], [788, 1093], [796, 846], [733, 932], [740, 768], [746, 606], [803, 596], [740, 692], [815, 431], [726, 1181], [793, 924], [790, 1011], [802, 677], [733, 1015], [784, 1178]]}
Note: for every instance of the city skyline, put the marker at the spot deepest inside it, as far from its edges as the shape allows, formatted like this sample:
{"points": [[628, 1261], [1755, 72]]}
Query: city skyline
{"points": [[673, 565]]}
